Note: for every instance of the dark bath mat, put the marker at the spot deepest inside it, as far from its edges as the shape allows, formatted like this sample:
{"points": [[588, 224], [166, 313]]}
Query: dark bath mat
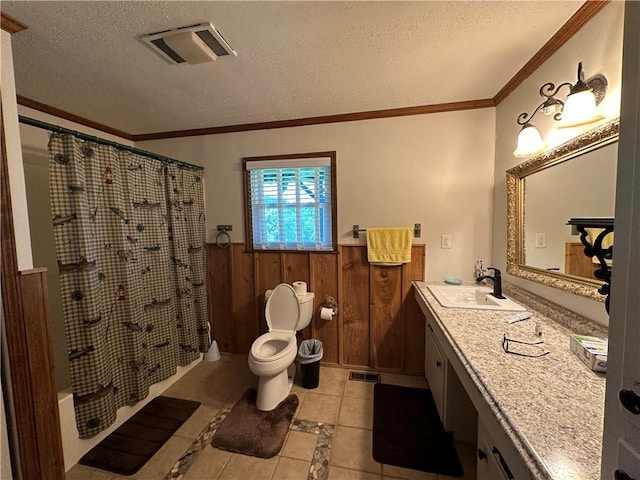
{"points": [[129, 447], [407, 431], [250, 431]]}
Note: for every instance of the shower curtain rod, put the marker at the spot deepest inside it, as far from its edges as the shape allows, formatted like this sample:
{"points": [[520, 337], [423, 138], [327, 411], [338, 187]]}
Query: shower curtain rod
{"points": [[102, 141]]}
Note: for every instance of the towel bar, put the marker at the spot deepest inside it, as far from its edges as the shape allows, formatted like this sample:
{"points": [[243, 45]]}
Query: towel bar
{"points": [[416, 230]]}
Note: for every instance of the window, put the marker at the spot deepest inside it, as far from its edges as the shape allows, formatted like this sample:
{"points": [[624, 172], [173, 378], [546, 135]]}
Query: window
{"points": [[290, 202]]}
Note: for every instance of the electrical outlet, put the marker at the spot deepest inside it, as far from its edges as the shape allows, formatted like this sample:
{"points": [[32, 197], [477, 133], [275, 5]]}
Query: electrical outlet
{"points": [[224, 228], [541, 240], [445, 241]]}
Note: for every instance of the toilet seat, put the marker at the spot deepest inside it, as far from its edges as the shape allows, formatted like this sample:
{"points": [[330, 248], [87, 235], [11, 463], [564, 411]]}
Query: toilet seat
{"points": [[272, 346]]}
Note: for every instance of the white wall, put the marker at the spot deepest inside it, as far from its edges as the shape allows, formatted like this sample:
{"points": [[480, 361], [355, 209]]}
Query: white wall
{"points": [[436, 170], [14, 155], [599, 46]]}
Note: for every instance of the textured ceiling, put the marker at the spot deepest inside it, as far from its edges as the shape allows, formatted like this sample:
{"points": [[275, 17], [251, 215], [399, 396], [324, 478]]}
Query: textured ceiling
{"points": [[295, 59]]}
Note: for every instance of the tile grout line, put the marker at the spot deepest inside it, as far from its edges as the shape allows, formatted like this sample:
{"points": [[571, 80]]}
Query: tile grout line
{"points": [[372, 473], [184, 462], [223, 467], [319, 463]]}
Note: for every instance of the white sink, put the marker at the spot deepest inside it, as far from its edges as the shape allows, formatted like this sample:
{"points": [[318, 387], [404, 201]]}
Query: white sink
{"points": [[468, 296]]}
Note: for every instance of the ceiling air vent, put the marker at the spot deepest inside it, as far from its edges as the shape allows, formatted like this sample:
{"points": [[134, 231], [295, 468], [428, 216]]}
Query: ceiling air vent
{"points": [[189, 45]]}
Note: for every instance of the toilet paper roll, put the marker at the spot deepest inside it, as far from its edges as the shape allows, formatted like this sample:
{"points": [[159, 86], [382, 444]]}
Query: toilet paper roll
{"points": [[300, 288], [326, 313]]}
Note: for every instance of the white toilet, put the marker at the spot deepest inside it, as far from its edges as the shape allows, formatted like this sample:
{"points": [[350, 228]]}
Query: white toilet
{"points": [[272, 354]]}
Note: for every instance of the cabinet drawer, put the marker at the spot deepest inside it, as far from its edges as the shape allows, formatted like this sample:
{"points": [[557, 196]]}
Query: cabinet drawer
{"points": [[490, 463], [434, 368], [628, 459]]}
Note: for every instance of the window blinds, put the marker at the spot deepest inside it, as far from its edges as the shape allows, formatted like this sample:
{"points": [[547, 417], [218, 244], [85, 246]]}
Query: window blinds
{"points": [[290, 202]]}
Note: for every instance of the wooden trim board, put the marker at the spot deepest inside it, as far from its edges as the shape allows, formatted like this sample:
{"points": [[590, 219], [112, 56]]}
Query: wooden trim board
{"points": [[10, 24], [56, 112], [301, 122]]}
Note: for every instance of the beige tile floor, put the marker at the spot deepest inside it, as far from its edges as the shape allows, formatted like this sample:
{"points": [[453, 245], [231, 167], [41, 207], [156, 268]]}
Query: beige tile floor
{"points": [[337, 400]]}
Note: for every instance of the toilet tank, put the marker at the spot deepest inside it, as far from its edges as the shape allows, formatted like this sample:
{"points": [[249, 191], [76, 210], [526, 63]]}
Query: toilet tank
{"points": [[306, 310]]}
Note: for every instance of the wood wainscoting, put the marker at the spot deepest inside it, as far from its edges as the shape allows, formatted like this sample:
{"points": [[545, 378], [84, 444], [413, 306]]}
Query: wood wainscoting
{"points": [[577, 263], [379, 324]]}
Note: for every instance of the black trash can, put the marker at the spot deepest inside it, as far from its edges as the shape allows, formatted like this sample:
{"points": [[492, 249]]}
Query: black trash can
{"points": [[309, 355]]}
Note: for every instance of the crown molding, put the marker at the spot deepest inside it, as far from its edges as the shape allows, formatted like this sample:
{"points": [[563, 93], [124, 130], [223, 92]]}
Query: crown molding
{"points": [[568, 30], [300, 122], [56, 112], [10, 24]]}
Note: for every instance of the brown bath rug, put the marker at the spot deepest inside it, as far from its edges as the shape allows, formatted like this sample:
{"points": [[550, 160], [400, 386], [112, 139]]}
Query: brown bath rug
{"points": [[250, 431], [129, 447]]}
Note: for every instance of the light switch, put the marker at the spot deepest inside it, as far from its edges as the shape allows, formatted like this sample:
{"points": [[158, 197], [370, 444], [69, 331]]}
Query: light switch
{"points": [[541, 240], [445, 241]]}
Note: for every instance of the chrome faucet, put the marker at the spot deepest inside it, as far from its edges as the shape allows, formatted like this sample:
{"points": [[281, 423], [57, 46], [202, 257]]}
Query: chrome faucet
{"points": [[497, 282]]}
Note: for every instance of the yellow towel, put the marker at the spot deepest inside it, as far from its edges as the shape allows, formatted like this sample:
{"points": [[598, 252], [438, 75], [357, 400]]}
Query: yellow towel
{"points": [[389, 246]]}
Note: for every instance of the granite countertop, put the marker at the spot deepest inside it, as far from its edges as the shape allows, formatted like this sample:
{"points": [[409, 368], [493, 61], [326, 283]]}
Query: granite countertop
{"points": [[551, 407]]}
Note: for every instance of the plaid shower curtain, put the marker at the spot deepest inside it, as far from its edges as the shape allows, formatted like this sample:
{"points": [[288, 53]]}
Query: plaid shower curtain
{"points": [[130, 234]]}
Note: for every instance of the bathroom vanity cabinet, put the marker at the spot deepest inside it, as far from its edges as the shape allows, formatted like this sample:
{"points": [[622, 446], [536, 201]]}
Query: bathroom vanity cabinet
{"points": [[459, 414], [529, 418], [456, 411]]}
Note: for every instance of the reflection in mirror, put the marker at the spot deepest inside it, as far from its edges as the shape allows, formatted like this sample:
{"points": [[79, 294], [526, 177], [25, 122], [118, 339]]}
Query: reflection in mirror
{"points": [[582, 186], [575, 179]]}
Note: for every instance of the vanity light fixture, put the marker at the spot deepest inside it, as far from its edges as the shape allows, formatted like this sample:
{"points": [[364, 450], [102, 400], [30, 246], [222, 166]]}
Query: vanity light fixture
{"points": [[579, 108]]}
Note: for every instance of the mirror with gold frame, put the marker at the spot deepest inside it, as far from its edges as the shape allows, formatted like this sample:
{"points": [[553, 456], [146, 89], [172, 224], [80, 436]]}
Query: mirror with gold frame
{"points": [[582, 171]]}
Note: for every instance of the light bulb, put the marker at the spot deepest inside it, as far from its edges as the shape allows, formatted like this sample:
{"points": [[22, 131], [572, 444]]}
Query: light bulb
{"points": [[529, 142], [579, 109]]}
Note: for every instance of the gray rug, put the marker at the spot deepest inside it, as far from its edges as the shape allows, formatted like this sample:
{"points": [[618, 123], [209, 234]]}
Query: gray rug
{"points": [[250, 431]]}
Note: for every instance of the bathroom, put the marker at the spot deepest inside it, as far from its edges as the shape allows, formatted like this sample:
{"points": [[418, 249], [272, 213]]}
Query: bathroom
{"points": [[461, 156]]}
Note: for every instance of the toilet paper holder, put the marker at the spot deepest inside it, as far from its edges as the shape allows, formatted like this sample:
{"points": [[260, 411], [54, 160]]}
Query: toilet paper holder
{"points": [[330, 302]]}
